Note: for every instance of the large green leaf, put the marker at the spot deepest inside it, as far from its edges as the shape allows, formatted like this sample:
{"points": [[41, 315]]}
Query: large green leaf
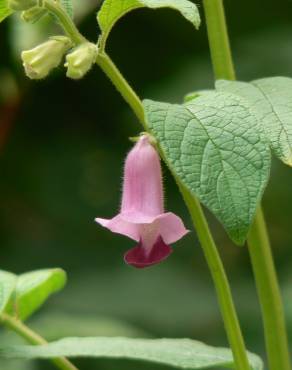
{"points": [[211, 144], [4, 10], [180, 353], [32, 290], [7, 286], [270, 99], [112, 10]]}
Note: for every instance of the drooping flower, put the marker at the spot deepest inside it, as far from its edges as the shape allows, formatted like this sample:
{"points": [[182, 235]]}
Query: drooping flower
{"points": [[142, 217]]}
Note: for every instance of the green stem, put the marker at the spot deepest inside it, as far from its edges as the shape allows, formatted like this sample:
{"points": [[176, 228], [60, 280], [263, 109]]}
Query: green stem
{"points": [[219, 40], [269, 294], [258, 240], [213, 259], [121, 85], [65, 20], [33, 338]]}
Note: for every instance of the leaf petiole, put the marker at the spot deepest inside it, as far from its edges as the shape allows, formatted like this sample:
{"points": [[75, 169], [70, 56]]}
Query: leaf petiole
{"points": [[33, 338]]}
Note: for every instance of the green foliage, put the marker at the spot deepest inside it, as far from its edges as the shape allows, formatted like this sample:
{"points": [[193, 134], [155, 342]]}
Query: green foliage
{"points": [[112, 10], [24, 294], [270, 99], [211, 145], [179, 353], [7, 287], [4, 10]]}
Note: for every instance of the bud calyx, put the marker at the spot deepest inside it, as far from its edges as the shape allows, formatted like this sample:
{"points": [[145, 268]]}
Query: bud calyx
{"points": [[34, 14], [21, 4]]}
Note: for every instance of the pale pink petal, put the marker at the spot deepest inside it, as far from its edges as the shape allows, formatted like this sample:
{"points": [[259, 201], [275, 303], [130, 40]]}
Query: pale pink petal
{"points": [[121, 226], [137, 226], [138, 218], [138, 257], [171, 227], [142, 189]]}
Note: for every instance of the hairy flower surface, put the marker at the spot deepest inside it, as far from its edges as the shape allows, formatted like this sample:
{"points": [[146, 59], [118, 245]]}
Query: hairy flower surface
{"points": [[142, 217]]}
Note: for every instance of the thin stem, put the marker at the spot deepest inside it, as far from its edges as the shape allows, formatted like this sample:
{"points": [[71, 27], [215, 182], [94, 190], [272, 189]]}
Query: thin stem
{"points": [[269, 294], [65, 20], [33, 338], [213, 259], [258, 240], [121, 85]]}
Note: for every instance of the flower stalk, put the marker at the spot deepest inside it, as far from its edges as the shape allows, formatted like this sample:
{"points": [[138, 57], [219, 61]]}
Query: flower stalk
{"points": [[66, 22]]}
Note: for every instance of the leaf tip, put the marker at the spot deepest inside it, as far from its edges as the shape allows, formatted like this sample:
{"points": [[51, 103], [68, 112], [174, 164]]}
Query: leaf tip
{"points": [[288, 161]]}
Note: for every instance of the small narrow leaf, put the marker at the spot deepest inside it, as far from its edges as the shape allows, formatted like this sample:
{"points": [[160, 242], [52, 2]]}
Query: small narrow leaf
{"points": [[112, 10], [7, 286], [4, 10], [210, 143], [32, 290], [179, 353], [195, 94], [270, 99]]}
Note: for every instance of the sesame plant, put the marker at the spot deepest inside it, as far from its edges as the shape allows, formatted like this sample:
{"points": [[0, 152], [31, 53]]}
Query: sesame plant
{"points": [[217, 145]]}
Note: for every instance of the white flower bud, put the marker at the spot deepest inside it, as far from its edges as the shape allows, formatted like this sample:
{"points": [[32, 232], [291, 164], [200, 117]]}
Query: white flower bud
{"points": [[39, 61], [80, 60]]}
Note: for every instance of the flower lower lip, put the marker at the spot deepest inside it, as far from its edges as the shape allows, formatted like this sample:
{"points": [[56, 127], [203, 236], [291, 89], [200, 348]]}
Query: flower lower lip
{"points": [[137, 256]]}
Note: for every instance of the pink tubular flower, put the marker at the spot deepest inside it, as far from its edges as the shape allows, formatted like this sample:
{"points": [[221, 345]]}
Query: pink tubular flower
{"points": [[142, 215]]}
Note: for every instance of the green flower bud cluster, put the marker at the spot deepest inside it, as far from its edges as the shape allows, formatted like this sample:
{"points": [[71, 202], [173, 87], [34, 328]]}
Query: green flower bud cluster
{"points": [[39, 61]]}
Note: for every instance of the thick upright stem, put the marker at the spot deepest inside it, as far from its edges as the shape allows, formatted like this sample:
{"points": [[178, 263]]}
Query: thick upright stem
{"points": [[269, 295], [215, 265], [219, 40], [258, 240], [33, 338]]}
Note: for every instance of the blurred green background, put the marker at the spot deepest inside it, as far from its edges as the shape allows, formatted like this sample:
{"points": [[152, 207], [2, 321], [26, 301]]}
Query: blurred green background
{"points": [[62, 147]]}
